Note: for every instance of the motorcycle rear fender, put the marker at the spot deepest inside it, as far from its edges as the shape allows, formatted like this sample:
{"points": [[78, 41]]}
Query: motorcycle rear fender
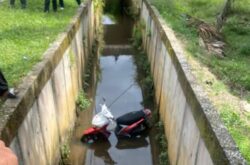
{"points": [[91, 130], [129, 128]]}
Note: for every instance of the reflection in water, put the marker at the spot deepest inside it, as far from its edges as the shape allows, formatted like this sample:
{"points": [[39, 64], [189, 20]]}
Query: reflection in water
{"points": [[133, 143], [102, 153], [106, 20], [118, 33]]}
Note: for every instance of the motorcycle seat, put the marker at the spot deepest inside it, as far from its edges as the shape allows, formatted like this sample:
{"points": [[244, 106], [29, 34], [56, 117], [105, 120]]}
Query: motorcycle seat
{"points": [[130, 118]]}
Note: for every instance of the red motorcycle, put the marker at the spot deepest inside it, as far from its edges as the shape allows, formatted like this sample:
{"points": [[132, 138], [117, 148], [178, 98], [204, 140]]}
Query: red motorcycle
{"points": [[128, 125]]}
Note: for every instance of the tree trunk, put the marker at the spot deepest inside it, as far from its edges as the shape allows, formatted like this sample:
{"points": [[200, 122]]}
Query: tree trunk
{"points": [[221, 18]]}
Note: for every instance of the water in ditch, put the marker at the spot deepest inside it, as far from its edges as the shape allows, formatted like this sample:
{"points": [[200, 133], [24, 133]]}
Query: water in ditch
{"points": [[116, 82]]}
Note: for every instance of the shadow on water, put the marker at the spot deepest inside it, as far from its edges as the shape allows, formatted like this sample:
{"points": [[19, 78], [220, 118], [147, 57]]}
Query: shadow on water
{"points": [[117, 73]]}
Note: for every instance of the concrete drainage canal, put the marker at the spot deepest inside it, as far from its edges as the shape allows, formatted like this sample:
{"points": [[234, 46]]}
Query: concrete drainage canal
{"points": [[116, 77], [37, 126]]}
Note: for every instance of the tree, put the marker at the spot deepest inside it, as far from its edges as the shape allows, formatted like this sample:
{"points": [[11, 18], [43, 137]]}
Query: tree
{"points": [[221, 18]]}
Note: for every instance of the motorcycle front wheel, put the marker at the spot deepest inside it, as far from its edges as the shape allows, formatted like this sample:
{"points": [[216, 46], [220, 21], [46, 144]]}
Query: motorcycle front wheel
{"points": [[91, 138], [88, 138]]}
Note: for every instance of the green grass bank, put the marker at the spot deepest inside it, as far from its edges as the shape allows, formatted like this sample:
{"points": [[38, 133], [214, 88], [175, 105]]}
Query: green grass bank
{"points": [[231, 83], [25, 34]]}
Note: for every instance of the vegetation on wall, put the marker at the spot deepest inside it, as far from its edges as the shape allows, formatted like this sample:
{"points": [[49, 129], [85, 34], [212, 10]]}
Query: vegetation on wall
{"points": [[162, 143], [145, 80], [143, 66], [97, 47], [82, 101], [136, 40], [113, 7], [65, 152]]}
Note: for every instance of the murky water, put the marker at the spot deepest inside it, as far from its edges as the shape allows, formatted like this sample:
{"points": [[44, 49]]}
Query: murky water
{"points": [[117, 84], [117, 31], [118, 74]]}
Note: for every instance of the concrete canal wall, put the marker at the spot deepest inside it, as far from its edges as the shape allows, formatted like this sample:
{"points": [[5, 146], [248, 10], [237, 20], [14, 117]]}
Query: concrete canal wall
{"points": [[193, 129], [37, 123]]}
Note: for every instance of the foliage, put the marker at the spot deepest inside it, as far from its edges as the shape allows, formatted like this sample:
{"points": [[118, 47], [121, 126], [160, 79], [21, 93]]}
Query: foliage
{"points": [[82, 102], [98, 10], [238, 129], [143, 66], [137, 35], [144, 78], [161, 139], [65, 151], [112, 7], [133, 10], [26, 34]]}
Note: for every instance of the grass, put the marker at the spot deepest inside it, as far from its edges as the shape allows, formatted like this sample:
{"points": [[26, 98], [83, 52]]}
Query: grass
{"points": [[163, 144], [82, 101], [26, 34], [233, 71], [238, 128], [65, 152]]}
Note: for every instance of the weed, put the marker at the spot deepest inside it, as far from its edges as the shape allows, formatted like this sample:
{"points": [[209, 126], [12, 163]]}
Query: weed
{"points": [[144, 78], [163, 157], [82, 102], [143, 66], [65, 151], [97, 46], [162, 142], [138, 29]]}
